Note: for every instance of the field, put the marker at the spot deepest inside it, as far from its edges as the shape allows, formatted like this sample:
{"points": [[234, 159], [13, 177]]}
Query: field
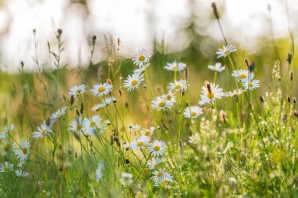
{"points": [[153, 125]]}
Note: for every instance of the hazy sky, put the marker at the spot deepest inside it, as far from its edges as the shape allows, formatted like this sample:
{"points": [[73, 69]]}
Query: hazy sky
{"points": [[136, 22]]}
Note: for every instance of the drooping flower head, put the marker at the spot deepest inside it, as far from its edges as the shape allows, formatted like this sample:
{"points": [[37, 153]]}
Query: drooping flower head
{"points": [[251, 84], [77, 90], [175, 66], [217, 67]]}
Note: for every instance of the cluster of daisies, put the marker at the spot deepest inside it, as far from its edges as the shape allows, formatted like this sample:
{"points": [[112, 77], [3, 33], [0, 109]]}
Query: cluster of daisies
{"points": [[15, 153], [145, 143]]}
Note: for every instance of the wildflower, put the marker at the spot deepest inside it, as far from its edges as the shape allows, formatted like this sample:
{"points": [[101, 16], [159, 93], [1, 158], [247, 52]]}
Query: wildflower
{"points": [[161, 177], [210, 92], [76, 125], [154, 162], [234, 93], [133, 81], [58, 114], [157, 148], [77, 90], [225, 50], [192, 112], [6, 167], [175, 66], [99, 173], [6, 131], [42, 130], [148, 132], [217, 67], [251, 84], [134, 128], [91, 126], [140, 142], [159, 103], [178, 85], [141, 58], [21, 173], [243, 74], [126, 179], [22, 150], [194, 139], [170, 98], [98, 106], [6, 147], [276, 70], [102, 89]]}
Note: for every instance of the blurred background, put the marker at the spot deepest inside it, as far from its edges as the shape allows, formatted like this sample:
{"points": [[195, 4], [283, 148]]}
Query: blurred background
{"points": [[187, 27]]}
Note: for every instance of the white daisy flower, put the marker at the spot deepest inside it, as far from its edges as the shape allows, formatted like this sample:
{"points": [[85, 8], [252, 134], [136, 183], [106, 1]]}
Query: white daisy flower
{"points": [[157, 148], [76, 125], [141, 58], [225, 50], [194, 139], [42, 130], [177, 85], [154, 162], [159, 103], [175, 66], [126, 179], [6, 131], [251, 84], [192, 112], [21, 173], [170, 98], [99, 106], [58, 114], [243, 74], [99, 171], [102, 89], [161, 177], [140, 142], [92, 126], [77, 90], [109, 100], [234, 93], [6, 147], [133, 81], [210, 92], [141, 69], [6, 167], [22, 150], [148, 132], [217, 67], [134, 128]]}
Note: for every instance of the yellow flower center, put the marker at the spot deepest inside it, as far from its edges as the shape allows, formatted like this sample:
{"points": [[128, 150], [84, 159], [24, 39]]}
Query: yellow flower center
{"points": [[250, 85], [210, 95], [6, 169], [164, 183], [6, 147], [178, 87], [43, 131], [134, 82], [25, 150], [161, 104], [101, 89], [226, 52], [242, 76], [141, 58], [92, 124], [156, 148], [140, 144], [147, 133], [79, 127], [169, 97], [193, 113], [175, 67]]}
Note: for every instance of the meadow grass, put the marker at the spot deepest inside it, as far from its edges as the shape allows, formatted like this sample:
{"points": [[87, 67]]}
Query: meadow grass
{"points": [[148, 127]]}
